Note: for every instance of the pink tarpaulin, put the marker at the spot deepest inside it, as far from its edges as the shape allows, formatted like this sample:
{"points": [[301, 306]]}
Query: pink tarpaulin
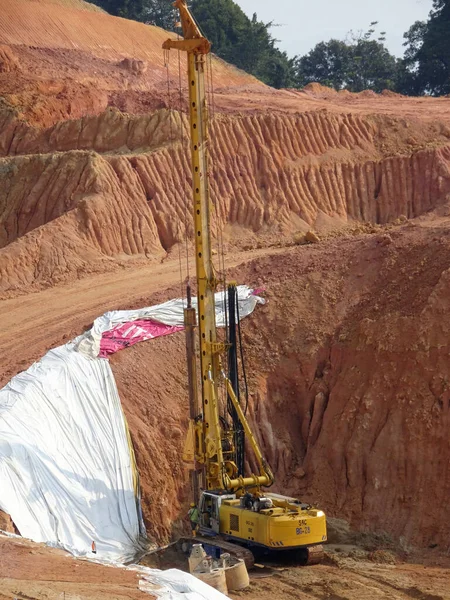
{"points": [[128, 334]]}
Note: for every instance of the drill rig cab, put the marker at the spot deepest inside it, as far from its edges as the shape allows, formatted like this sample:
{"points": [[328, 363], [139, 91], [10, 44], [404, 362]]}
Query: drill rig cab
{"points": [[232, 504], [209, 511]]}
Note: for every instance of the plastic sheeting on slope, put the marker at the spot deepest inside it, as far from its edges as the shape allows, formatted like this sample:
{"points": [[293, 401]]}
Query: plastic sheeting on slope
{"points": [[176, 585], [169, 313], [127, 334], [67, 473], [66, 465]]}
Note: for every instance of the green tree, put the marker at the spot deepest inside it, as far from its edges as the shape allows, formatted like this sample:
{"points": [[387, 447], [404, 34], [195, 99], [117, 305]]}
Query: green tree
{"points": [[246, 43], [328, 63], [427, 55], [279, 70], [372, 67], [357, 64], [225, 25], [128, 9], [161, 13], [155, 12]]}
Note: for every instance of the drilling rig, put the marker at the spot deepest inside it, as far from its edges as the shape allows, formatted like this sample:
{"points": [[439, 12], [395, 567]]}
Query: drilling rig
{"points": [[233, 508]]}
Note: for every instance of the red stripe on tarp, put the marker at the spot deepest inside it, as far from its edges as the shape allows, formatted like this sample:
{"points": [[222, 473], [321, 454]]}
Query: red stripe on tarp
{"points": [[128, 334]]}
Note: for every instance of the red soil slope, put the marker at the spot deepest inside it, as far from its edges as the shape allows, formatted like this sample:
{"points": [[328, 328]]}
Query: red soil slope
{"points": [[87, 187], [348, 364], [353, 400], [350, 355], [70, 60]]}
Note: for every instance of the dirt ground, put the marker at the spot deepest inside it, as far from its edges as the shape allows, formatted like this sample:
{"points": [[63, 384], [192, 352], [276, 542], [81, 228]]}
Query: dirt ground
{"points": [[31, 571], [34, 571], [351, 571], [353, 579], [30, 325]]}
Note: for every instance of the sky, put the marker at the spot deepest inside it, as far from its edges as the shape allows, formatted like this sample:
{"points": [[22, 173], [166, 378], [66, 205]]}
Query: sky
{"points": [[305, 23]]}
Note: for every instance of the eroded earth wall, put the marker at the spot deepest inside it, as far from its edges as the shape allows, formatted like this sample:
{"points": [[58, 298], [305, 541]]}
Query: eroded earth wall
{"points": [[348, 361], [349, 385], [118, 186]]}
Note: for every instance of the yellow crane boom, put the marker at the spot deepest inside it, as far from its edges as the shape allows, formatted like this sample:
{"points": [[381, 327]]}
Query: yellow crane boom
{"points": [[232, 505], [219, 472]]}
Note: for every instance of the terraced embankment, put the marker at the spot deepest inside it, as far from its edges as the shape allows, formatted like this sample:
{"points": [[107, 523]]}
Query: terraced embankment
{"points": [[95, 169], [350, 353], [85, 193]]}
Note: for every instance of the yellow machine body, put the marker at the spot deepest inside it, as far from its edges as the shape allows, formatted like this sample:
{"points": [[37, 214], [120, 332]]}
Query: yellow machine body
{"points": [[271, 521], [273, 528]]}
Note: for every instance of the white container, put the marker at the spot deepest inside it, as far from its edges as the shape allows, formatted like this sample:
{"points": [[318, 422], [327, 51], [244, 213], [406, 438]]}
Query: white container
{"points": [[215, 579], [196, 556], [237, 576]]}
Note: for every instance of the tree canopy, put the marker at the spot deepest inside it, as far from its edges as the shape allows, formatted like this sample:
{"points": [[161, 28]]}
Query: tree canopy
{"points": [[359, 62], [129, 9], [427, 55], [246, 43]]}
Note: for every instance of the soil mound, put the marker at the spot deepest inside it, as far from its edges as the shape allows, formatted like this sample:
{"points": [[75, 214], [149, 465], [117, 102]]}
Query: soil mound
{"points": [[319, 90], [391, 94]]}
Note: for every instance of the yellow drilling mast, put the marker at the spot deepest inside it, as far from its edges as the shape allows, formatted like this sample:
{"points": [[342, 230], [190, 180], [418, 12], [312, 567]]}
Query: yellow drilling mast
{"points": [[219, 472], [232, 505]]}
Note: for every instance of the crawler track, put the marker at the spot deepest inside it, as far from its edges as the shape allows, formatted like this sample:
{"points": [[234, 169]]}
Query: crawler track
{"points": [[233, 549], [306, 556], [315, 555]]}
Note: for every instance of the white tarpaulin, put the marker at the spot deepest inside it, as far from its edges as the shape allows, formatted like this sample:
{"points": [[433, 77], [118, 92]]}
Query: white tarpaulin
{"points": [[67, 474], [67, 471], [173, 584], [168, 313]]}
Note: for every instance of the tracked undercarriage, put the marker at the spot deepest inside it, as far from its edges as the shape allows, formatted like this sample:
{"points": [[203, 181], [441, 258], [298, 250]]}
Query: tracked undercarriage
{"points": [[312, 555]]}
